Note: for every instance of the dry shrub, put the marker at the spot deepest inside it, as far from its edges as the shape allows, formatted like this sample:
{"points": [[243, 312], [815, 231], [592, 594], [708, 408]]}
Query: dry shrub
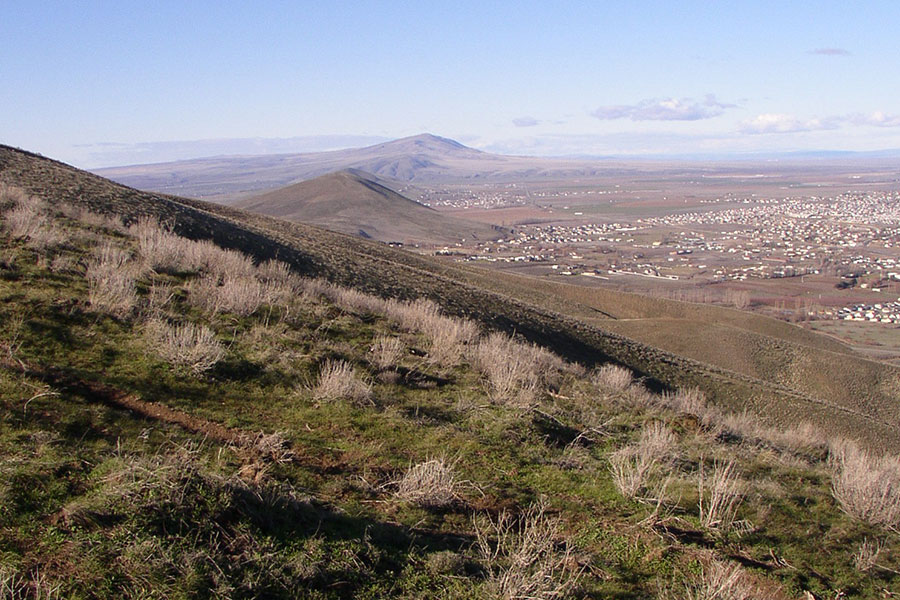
{"points": [[239, 295], [866, 557], [47, 236], [272, 447], [222, 263], [111, 286], [526, 557], [164, 250], [720, 496], [26, 218], [515, 372], [90, 218], [64, 263], [635, 467], [281, 280], [429, 484], [338, 380], [717, 581], [276, 271], [867, 486], [686, 401], [160, 295], [510, 375], [804, 438], [36, 586], [11, 196], [185, 345], [613, 378], [315, 288], [355, 301], [412, 316], [386, 351], [159, 247], [803, 441], [448, 339]]}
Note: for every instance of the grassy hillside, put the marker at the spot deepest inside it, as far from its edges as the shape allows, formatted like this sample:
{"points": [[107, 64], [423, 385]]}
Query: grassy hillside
{"points": [[866, 412], [180, 422], [355, 203]]}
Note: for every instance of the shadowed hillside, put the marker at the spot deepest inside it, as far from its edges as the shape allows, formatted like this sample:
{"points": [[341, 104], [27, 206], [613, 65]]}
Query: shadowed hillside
{"points": [[869, 411], [356, 203]]}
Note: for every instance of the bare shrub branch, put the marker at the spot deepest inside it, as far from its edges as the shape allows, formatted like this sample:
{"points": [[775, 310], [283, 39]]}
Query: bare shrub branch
{"points": [[448, 339], [185, 345], [613, 378], [430, 484], [866, 557], [526, 557], [515, 372], [159, 247], [386, 351], [338, 380], [866, 486], [111, 285], [717, 581], [720, 496], [239, 295], [634, 467]]}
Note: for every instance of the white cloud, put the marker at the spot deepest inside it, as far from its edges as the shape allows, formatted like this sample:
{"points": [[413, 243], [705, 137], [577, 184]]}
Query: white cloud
{"points": [[785, 123], [525, 122], [665, 109], [877, 119], [830, 52]]}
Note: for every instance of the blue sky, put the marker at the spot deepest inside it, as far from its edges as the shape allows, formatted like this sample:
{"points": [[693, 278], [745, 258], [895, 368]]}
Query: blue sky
{"points": [[102, 83]]}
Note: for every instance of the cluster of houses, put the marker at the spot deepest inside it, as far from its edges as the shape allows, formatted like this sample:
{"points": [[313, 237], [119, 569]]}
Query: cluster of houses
{"points": [[882, 312]]}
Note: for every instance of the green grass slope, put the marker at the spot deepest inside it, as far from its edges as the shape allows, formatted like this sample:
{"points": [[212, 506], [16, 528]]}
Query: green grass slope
{"points": [[180, 422], [868, 411]]}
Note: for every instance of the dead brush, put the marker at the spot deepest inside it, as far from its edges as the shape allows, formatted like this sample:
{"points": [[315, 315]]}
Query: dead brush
{"points": [[448, 339], [526, 557], [184, 345], [720, 496], [11, 196], [866, 486], [612, 378], [86, 216], [411, 316], [515, 372], [866, 556], [386, 352], [717, 580], [338, 380], [159, 248], [111, 281], [237, 295], [356, 302], [23, 215], [430, 484], [634, 468], [36, 586], [686, 401], [27, 218]]}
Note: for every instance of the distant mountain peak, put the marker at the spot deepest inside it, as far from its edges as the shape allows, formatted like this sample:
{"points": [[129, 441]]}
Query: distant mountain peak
{"points": [[427, 143]]}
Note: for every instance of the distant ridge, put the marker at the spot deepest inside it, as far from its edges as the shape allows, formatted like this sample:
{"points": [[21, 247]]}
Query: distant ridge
{"points": [[352, 201], [422, 158]]}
